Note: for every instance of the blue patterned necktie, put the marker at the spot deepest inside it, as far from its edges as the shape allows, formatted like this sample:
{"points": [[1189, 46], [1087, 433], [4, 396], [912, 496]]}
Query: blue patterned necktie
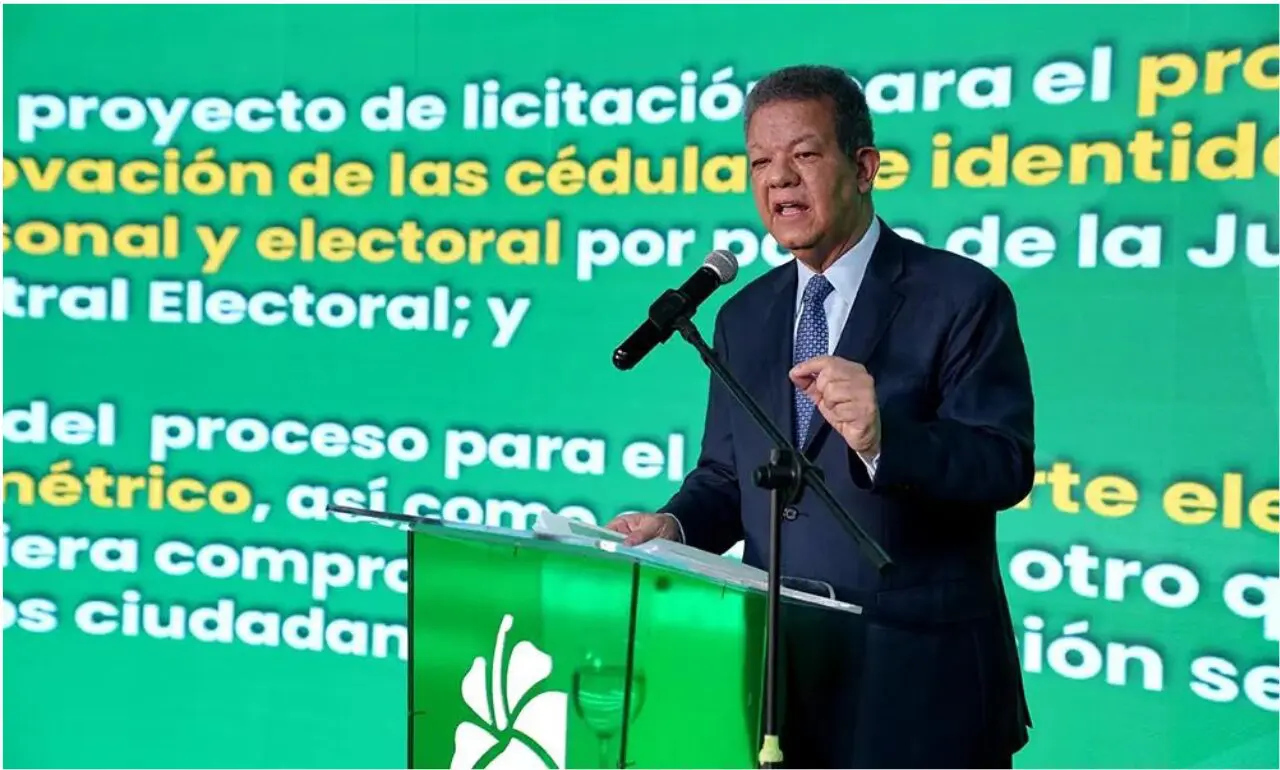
{"points": [[811, 341]]}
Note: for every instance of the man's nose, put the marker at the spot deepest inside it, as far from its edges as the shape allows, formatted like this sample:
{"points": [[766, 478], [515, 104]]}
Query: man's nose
{"points": [[783, 174]]}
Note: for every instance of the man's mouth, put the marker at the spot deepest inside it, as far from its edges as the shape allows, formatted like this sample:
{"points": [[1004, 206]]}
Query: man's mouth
{"points": [[789, 209]]}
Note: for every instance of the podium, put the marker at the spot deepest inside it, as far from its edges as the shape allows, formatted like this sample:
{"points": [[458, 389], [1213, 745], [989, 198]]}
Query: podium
{"points": [[561, 648]]}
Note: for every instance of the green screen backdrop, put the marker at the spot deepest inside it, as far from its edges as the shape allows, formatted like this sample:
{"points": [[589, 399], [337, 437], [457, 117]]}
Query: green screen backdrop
{"points": [[261, 259]]}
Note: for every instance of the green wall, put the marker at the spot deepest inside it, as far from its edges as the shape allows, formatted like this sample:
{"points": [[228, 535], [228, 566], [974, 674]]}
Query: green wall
{"points": [[430, 330]]}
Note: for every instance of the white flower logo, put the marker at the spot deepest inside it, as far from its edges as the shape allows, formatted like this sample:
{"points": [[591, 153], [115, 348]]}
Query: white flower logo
{"points": [[518, 727]]}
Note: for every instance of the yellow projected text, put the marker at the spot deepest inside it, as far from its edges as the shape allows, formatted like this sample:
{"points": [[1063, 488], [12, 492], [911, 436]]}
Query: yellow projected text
{"points": [[1227, 501], [412, 243], [1143, 157], [101, 488], [1169, 76]]}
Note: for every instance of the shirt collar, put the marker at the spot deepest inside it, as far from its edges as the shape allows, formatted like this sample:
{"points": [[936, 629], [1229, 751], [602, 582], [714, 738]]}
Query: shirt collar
{"points": [[845, 274]]}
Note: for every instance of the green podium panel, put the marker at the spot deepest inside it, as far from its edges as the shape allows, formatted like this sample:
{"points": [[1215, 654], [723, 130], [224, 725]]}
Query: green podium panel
{"points": [[535, 651]]}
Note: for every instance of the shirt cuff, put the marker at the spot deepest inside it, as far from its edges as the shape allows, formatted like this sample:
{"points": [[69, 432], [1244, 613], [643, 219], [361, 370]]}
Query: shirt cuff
{"points": [[872, 463], [679, 526]]}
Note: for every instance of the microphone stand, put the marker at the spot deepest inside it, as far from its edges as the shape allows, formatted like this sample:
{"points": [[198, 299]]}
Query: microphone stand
{"points": [[787, 475]]}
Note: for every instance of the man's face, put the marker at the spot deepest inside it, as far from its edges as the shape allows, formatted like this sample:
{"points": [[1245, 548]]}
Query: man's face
{"points": [[809, 194]]}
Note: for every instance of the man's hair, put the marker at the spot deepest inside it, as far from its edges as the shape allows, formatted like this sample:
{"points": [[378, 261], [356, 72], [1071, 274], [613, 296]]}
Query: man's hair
{"points": [[812, 82]]}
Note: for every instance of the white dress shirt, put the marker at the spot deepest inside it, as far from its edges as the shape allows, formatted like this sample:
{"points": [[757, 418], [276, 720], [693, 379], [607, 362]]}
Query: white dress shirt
{"points": [[845, 276]]}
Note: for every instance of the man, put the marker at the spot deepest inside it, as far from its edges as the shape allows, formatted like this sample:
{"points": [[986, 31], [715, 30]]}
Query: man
{"points": [[900, 370]]}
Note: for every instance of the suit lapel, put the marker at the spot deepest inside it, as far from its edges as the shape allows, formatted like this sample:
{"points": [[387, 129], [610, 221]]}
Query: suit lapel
{"points": [[872, 312], [776, 348]]}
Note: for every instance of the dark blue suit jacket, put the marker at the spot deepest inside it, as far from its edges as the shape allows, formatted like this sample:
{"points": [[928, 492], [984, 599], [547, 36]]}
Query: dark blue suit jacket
{"points": [[932, 679]]}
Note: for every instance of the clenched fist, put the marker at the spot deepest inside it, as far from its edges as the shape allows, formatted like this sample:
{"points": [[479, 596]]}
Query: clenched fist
{"points": [[641, 527], [845, 394]]}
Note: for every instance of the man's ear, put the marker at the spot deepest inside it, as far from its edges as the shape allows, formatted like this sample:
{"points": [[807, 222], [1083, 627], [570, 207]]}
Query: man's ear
{"points": [[867, 159]]}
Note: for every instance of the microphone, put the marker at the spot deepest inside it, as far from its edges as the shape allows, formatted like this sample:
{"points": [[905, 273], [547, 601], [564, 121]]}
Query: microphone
{"points": [[720, 267]]}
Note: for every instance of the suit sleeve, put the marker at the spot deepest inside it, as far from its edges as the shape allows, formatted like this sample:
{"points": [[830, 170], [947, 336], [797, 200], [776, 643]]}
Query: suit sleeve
{"points": [[708, 503], [980, 449]]}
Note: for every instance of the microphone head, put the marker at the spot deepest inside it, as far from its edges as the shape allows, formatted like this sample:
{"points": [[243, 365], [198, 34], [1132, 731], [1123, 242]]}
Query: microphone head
{"points": [[723, 263]]}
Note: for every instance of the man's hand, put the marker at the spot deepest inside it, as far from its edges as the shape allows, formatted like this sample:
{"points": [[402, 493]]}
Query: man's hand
{"points": [[642, 527], [845, 394]]}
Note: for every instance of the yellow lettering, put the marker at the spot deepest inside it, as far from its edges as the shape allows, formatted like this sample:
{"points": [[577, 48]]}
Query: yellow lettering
{"points": [[74, 239], [204, 175], [446, 246], [1154, 84], [276, 243], [183, 495], [1111, 496], [99, 238], [473, 178], [984, 166], [431, 178], [23, 484], [139, 177], [37, 238], [11, 173], [311, 177], [41, 177], [1173, 75], [127, 487], [622, 173], [436, 178], [1255, 68], [1216, 64], [1264, 511], [1037, 165], [1241, 148], [551, 245], [1061, 480], [941, 160], [524, 177], [611, 176], [894, 168], [230, 497], [413, 244], [1145, 157], [1190, 503], [99, 483], [337, 244], [376, 245], [689, 169], [134, 240], [725, 174], [665, 184], [353, 179], [61, 487], [519, 247], [91, 175], [155, 486], [257, 171]]}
